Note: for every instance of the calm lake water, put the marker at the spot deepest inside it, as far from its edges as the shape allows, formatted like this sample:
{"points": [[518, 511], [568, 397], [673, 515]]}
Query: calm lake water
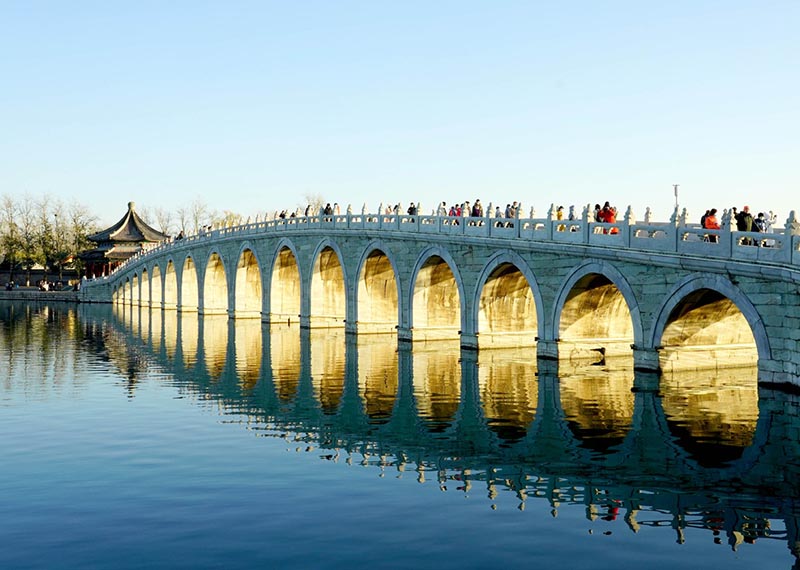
{"points": [[147, 439]]}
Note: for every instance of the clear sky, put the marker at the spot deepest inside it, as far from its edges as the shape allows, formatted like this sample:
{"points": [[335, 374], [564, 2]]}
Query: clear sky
{"points": [[249, 106]]}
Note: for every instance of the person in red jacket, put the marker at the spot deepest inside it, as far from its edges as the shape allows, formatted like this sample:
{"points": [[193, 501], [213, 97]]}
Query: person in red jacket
{"points": [[711, 223]]}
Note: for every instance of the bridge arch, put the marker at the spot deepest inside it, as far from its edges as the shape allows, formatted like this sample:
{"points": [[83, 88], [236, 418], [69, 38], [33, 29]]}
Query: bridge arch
{"points": [[215, 286], [706, 310], [327, 302], [189, 296], [135, 290], [437, 290], [170, 286], [145, 288], [507, 307], [248, 291], [596, 303], [285, 290], [156, 287], [378, 300]]}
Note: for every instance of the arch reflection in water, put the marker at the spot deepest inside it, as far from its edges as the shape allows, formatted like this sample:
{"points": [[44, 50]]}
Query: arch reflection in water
{"points": [[189, 338], [714, 416], [248, 350], [597, 442], [284, 348], [509, 391], [170, 333], [598, 404], [377, 375], [437, 383], [215, 344], [328, 367]]}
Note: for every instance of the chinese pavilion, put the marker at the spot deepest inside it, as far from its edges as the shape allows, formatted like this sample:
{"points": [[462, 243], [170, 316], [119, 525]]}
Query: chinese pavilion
{"points": [[121, 241]]}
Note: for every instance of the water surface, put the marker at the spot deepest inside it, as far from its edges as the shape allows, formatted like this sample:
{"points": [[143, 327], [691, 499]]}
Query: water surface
{"points": [[147, 439]]}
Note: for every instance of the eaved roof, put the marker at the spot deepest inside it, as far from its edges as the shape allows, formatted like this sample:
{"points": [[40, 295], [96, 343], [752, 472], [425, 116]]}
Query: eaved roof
{"points": [[131, 228]]}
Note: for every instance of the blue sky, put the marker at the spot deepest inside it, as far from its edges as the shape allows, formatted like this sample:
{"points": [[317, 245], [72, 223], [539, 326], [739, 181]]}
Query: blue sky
{"points": [[249, 106]]}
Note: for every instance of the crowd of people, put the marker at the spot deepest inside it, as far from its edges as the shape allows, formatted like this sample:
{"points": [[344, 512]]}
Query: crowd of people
{"points": [[745, 222], [606, 214]]}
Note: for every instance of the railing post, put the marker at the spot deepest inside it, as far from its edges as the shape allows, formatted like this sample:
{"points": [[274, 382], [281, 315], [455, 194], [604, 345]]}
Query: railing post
{"points": [[627, 226], [727, 237], [551, 215], [585, 229], [673, 227], [790, 232]]}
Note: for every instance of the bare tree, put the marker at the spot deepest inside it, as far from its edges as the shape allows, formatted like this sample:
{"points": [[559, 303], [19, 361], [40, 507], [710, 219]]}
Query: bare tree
{"points": [[163, 218], [199, 215], [313, 203], [44, 232], [228, 218], [30, 250], [82, 223], [10, 241], [183, 216]]}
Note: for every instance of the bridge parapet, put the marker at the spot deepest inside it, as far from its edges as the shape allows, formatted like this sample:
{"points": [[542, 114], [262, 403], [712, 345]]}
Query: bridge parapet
{"points": [[672, 237]]}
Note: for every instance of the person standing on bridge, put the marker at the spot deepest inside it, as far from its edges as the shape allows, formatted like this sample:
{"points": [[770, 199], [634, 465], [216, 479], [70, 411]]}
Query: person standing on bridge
{"points": [[745, 223], [711, 223]]}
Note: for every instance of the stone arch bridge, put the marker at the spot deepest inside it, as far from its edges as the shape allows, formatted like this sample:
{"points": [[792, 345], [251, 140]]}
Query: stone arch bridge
{"points": [[670, 295]]}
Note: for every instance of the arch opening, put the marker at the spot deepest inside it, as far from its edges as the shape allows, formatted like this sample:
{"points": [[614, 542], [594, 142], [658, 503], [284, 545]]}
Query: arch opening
{"points": [[436, 305], [285, 289], [215, 287], [135, 290], [248, 287], [126, 292], [507, 310], [156, 289], [189, 294], [596, 322], [145, 289], [707, 330], [170, 287], [378, 302], [328, 295]]}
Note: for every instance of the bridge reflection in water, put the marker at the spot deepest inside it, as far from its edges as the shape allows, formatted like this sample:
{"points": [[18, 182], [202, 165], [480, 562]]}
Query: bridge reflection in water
{"points": [[709, 450]]}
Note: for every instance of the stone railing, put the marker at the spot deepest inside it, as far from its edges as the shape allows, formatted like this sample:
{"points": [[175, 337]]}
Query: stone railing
{"points": [[676, 236]]}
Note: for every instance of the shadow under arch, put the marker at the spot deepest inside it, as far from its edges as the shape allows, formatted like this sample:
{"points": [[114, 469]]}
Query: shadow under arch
{"points": [[285, 288], [516, 327], [248, 290], [597, 304], [710, 310], [328, 286], [377, 290], [215, 285], [435, 312]]}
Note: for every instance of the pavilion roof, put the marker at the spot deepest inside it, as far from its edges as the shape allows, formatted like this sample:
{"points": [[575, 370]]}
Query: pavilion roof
{"points": [[131, 228]]}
